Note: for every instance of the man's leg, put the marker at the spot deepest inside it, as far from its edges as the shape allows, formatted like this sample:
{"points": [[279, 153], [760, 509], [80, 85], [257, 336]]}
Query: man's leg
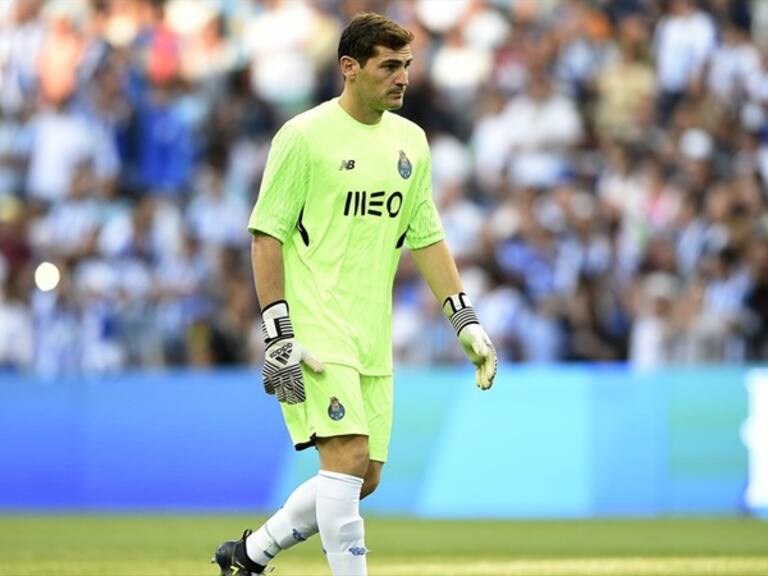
{"points": [[343, 466], [372, 478], [357, 417], [297, 519], [295, 522]]}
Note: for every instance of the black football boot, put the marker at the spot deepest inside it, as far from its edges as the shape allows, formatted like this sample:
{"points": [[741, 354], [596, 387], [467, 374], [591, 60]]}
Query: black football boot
{"points": [[234, 561]]}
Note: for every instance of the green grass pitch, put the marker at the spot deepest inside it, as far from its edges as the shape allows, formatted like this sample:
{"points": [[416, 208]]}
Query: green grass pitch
{"points": [[182, 545]]}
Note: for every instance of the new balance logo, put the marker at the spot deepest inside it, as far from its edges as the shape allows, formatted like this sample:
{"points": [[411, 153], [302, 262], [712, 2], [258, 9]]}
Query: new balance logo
{"points": [[282, 354], [347, 165], [362, 203]]}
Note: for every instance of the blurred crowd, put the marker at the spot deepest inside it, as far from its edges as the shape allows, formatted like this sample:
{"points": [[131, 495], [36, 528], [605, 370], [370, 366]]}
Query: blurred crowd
{"points": [[601, 168]]}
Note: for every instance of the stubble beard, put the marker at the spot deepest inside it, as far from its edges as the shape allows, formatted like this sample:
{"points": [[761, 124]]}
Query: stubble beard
{"points": [[399, 104]]}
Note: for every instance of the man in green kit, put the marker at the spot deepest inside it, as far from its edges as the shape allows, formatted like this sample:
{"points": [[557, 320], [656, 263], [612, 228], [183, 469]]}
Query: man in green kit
{"points": [[346, 185]]}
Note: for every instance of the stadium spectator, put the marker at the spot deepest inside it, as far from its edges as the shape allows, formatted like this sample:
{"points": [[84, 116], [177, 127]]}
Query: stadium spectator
{"points": [[652, 340], [626, 86], [601, 168], [541, 128], [684, 39], [22, 33], [16, 331], [61, 53], [14, 149], [61, 140], [57, 327], [213, 216], [757, 301]]}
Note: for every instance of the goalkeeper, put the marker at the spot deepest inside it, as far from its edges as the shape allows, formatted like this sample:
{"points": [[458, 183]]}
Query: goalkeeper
{"points": [[346, 186]]}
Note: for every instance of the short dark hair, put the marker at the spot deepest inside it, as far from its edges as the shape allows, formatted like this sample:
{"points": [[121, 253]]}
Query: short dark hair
{"points": [[366, 31]]}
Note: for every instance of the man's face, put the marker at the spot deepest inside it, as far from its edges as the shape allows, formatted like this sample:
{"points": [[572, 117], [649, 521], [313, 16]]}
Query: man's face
{"points": [[381, 83]]}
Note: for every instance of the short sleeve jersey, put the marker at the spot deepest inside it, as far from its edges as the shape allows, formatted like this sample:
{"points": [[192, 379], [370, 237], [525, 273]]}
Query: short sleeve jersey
{"points": [[343, 197]]}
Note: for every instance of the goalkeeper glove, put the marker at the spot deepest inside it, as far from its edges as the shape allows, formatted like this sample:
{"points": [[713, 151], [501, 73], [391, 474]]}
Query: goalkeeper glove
{"points": [[476, 343], [283, 356]]}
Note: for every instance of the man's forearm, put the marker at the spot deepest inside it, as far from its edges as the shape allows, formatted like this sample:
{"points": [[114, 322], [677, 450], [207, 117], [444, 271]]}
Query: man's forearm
{"points": [[284, 355], [438, 269], [267, 262]]}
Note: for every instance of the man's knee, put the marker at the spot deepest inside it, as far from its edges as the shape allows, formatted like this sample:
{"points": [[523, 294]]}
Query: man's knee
{"points": [[345, 454]]}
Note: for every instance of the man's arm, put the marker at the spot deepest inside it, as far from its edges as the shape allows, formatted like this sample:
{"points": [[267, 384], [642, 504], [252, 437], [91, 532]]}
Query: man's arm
{"points": [[437, 267], [283, 355], [267, 262]]}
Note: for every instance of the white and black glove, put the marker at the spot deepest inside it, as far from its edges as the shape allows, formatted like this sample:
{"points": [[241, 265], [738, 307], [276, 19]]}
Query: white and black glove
{"points": [[283, 356], [476, 343]]}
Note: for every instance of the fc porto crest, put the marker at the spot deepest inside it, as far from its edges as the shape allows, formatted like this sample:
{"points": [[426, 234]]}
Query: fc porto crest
{"points": [[336, 409], [404, 166]]}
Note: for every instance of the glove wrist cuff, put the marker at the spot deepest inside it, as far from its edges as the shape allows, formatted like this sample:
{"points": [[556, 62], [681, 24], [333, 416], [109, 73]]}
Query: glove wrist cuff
{"points": [[458, 309], [276, 323]]}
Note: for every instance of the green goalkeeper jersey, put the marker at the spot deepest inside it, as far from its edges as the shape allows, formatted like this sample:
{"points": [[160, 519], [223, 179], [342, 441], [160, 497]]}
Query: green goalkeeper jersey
{"points": [[343, 197]]}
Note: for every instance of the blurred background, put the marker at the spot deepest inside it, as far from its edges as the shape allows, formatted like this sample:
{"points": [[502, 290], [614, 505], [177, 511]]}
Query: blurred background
{"points": [[601, 168]]}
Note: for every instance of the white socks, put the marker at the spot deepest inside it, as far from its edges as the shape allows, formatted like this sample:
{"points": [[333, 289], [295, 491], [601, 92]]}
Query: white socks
{"points": [[340, 524], [293, 523], [329, 501]]}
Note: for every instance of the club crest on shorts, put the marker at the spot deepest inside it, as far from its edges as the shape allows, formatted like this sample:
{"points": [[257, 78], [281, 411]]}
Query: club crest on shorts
{"points": [[404, 166], [336, 409]]}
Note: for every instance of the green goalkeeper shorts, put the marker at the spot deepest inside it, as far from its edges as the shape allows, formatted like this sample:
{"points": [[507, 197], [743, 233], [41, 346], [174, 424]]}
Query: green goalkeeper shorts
{"points": [[341, 401]]}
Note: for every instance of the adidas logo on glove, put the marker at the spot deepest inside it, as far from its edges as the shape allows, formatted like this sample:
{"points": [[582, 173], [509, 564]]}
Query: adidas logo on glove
{"points": [[283, 353]]}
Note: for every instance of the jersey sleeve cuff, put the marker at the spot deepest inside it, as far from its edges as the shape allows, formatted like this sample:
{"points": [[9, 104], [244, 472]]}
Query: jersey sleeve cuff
{"points": [[419, 243], [269, 231]]}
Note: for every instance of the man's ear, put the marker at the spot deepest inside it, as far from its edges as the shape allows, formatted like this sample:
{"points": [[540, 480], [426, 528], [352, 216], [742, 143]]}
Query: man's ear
{"points": [[349, 67]]}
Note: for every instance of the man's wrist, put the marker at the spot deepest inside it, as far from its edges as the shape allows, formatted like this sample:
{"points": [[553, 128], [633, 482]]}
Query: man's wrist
{"points": [[458, 309], [276, 323]]}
